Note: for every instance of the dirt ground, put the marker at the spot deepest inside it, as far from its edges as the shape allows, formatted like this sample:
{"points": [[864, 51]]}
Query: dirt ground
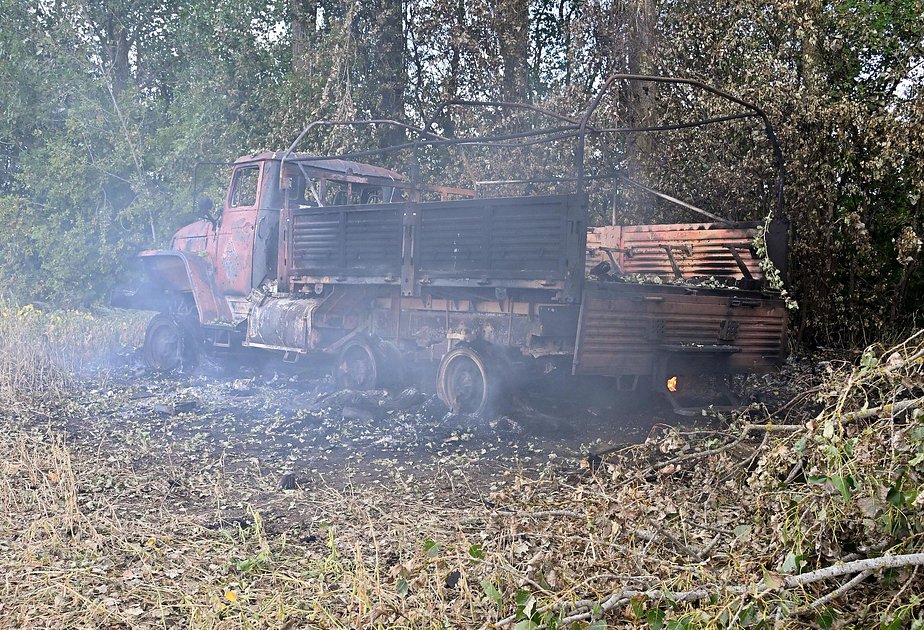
{"points": [[266, 498], [271, 432]]}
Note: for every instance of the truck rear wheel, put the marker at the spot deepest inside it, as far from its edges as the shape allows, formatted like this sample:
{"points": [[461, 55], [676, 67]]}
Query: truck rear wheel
{"points": [[470, 382], [168, 346], [358, 365], [369, 363]]}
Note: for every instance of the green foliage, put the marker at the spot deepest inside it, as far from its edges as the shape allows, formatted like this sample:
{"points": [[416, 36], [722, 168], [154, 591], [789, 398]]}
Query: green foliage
{"points": [[840, 85], [111, 106], [491, 591]]}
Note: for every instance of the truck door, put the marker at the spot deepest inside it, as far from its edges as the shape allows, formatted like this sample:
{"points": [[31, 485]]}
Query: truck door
{"points": [[235, 236], [265, 246]]}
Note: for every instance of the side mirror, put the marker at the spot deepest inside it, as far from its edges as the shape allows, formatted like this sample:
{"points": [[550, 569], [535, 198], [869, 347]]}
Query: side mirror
{"points": [[205, 205]]}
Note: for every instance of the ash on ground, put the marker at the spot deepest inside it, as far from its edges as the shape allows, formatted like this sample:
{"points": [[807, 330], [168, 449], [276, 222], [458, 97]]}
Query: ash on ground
{"points": [[268, 433]]}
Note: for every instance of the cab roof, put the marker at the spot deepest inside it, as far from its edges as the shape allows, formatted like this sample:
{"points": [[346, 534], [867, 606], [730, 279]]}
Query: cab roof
{"points": [[342, 167]]}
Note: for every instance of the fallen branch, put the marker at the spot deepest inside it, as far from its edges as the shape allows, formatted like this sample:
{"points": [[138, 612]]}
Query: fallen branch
{"points": [[840, 590], [914, 357], [611, 601], [857, 566], [902, 347], [890, 409], [745, 431], [795, 400], [904, 588], [641, 533], [624, 597], [541, 513], [865, 567], [651, 537]]}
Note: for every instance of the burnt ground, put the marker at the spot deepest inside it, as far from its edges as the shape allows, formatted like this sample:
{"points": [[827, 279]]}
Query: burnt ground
{"points": [[218, 447], [267, 433]]}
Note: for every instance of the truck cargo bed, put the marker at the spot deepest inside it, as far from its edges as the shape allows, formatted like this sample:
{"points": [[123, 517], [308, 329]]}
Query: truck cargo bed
{"points": [[520, 242]]}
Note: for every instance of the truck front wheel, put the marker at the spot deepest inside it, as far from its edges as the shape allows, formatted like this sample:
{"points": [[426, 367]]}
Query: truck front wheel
{"points": [[358, 365], [167, 345]]}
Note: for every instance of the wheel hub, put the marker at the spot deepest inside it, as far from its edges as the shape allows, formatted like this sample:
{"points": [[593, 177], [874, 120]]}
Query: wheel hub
{"points": [[164, 345], [356, 369], [465, 385]]}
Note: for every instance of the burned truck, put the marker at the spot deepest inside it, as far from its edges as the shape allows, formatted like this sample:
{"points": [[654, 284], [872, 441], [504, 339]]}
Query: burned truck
{"points": [[379, 271]]}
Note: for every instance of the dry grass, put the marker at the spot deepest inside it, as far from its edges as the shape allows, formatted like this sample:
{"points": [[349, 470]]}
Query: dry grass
{"points": [[690, 529], [91, 556], [43, 354]]}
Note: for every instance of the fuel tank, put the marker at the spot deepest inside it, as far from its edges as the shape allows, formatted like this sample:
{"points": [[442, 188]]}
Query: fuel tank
{"points": [[282, 324]]}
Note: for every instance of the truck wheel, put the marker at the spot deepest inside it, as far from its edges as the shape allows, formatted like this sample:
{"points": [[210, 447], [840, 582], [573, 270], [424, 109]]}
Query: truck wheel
{"points": [[469, 382], [358, 365], [167, 345]]}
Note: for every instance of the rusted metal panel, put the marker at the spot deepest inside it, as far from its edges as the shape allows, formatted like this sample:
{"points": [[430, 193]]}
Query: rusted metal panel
{"points": [[430, 329], [629, 328], [234, 256], [372, 240], [502, 238], [346, 241], [234, 238], [530, 241], [534, 242], [557, 320], [193, 238], [178, 271], [687, 250], [240, 308]]}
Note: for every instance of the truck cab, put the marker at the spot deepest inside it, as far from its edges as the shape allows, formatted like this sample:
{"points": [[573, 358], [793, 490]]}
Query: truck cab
{"points": [[242, 244], [203, 285], [238, 250]]}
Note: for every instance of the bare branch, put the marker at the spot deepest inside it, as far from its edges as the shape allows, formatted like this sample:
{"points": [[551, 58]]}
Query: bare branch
{"points": [[840, 590], [863, 567]]}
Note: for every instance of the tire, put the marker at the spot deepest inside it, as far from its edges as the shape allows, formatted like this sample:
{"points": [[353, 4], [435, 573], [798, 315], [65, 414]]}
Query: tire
{"points": [[359, 365], [469, 381], [168, 345]]}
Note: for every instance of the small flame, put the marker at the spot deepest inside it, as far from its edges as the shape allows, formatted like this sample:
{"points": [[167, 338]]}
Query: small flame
{"points": [[672, 384]]}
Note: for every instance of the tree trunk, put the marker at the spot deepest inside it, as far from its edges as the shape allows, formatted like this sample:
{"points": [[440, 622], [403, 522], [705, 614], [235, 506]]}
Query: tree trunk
{"points": [[390, 54], [303, 22], [640, 28], [378, 64], [512, 28], [118, 45]]}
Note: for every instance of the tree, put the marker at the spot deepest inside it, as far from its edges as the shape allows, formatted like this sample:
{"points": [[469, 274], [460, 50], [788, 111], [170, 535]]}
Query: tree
{"points": [[511, 24]]}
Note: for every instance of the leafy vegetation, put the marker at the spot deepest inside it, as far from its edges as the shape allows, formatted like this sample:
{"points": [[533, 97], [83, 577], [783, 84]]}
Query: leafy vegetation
{"points": [[44, 355], [807, 512]]}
